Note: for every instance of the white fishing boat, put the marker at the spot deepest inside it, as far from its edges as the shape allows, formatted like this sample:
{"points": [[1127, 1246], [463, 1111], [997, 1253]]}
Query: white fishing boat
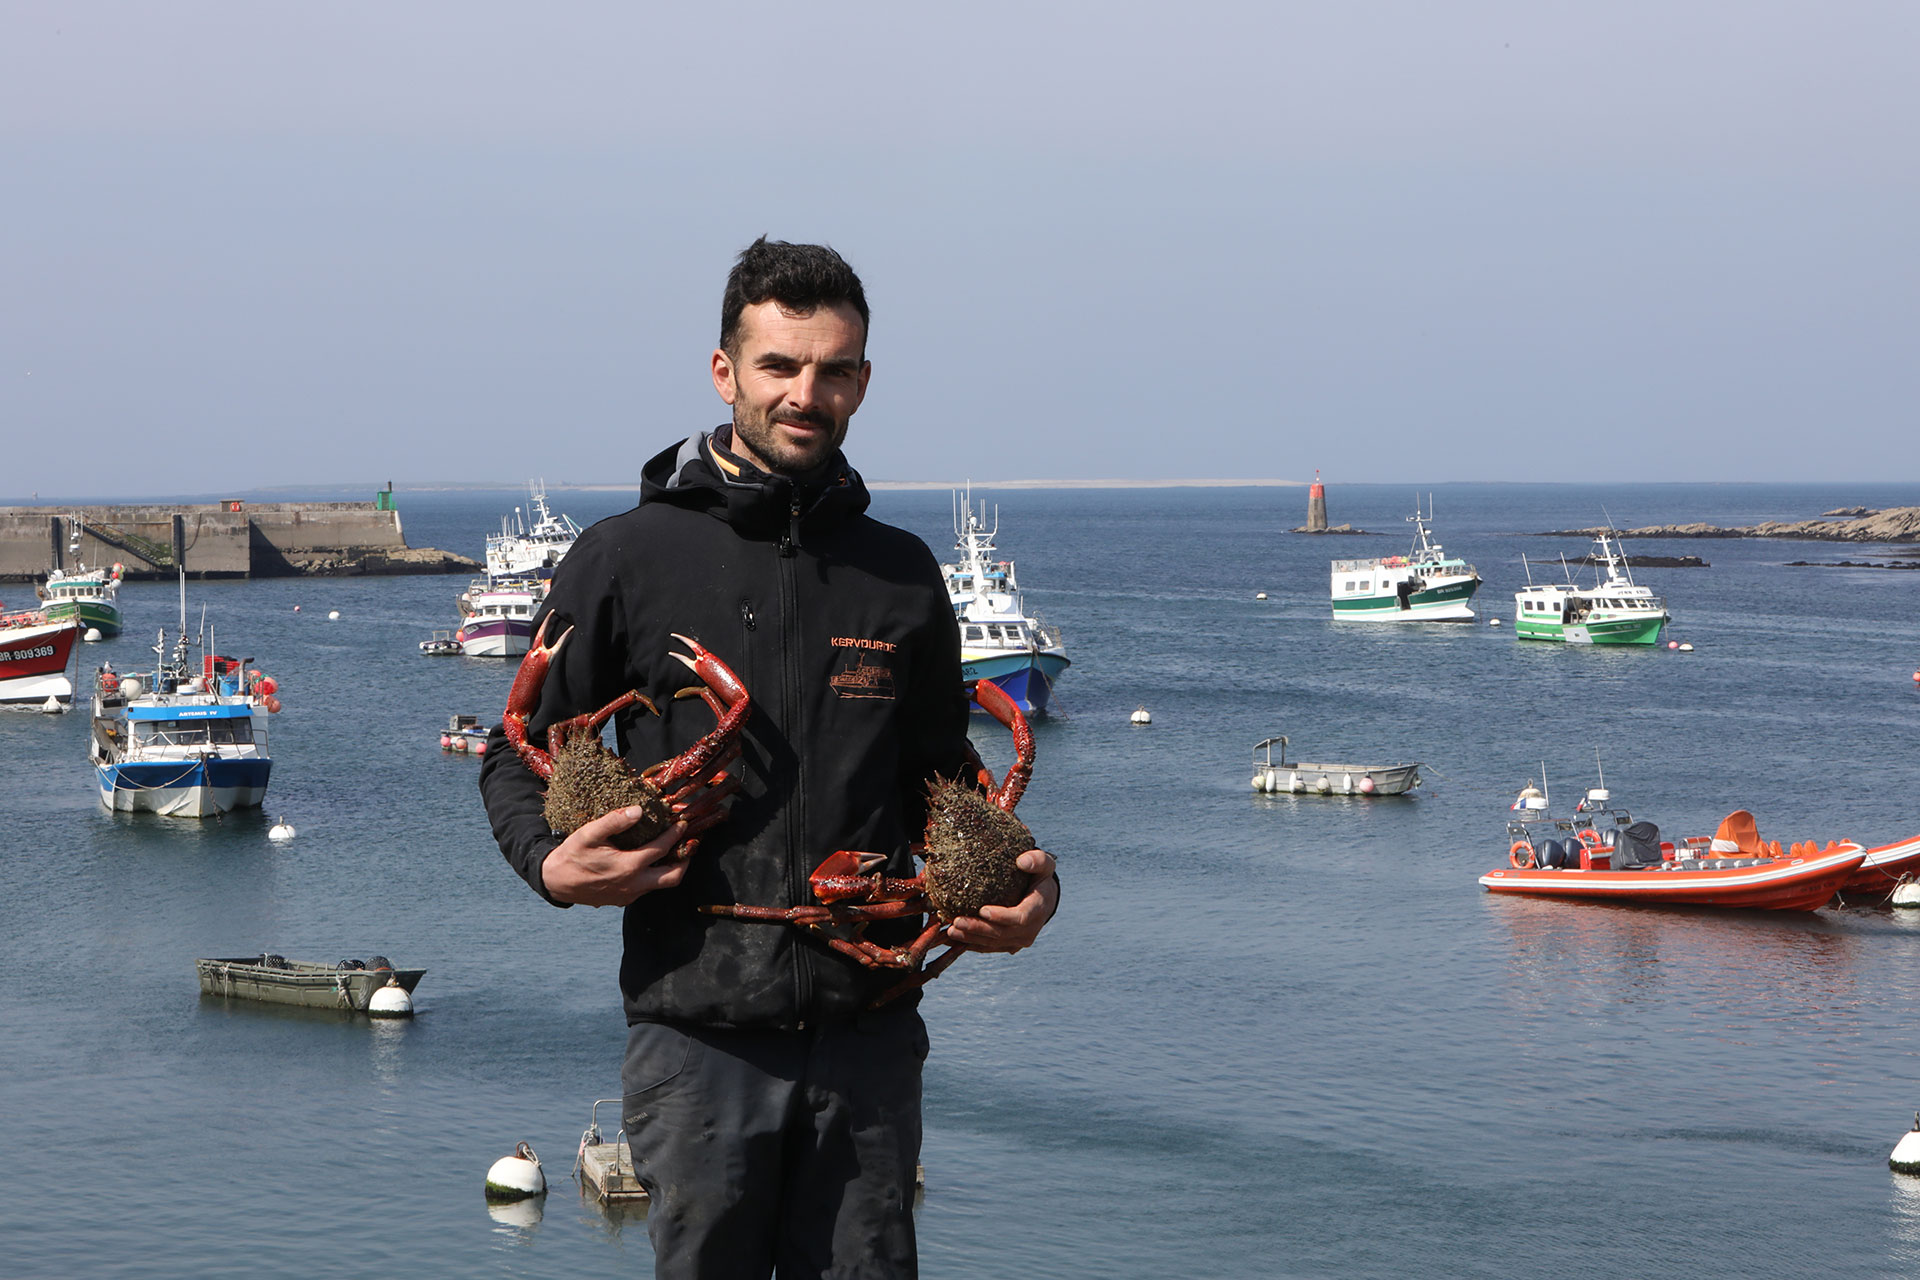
{"points": [[182, 741], [999, 640], [1425, 585], [496, 617], [530, 550], [1615, 611]]}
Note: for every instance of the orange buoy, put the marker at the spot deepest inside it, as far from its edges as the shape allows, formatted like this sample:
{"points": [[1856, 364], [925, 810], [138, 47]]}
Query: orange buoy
{"points": [[273, 706], [268, 687]]}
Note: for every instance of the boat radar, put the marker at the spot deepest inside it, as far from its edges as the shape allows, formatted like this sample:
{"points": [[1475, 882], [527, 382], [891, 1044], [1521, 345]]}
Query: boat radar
{"points": [[1530, 797]]}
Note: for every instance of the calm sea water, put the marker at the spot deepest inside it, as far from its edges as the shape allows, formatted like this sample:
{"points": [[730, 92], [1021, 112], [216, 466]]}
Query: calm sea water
{"points": [[1265, 1036]]}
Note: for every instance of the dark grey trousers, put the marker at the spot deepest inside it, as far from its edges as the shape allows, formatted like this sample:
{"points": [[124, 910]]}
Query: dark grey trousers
{"points": [[768, 1151]]}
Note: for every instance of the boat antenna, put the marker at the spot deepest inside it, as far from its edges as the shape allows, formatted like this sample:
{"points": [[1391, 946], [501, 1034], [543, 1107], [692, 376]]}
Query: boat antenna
{"points": [[1527, 567], [1546, 791], [1599, 768]]}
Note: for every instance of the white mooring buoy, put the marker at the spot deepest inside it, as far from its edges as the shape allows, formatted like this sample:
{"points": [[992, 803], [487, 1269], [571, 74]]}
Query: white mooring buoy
{"points": [[1259, 595], [333, 615], [392, 1001], [1686, 648], [93, 636], [1141, 716], [517, 1176], [1907, 894], [1493, 622], [1906, 1152], [280, 830], [53, 706]]}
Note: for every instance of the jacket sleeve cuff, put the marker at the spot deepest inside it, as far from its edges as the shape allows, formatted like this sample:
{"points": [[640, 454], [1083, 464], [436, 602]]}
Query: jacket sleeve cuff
{"points": [[538, 878]]}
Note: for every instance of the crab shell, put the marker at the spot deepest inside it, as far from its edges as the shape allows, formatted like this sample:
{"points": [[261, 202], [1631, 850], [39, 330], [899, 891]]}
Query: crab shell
{"points": [[590, 781], [971, 847]]}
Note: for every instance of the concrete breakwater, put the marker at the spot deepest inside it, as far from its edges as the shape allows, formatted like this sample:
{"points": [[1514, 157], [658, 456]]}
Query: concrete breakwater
{"points": [[233, 539], [1896, 524]]}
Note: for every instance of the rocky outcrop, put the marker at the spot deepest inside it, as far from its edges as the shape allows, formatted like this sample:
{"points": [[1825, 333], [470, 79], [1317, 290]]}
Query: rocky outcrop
{"points": [[1897, 524], [403, 560], [1652, 562], [1338, 528]]}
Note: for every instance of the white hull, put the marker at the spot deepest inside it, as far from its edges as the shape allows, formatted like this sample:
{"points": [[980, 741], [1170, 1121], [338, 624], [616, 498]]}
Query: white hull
{"points": [[510, 645], [183, 802], [36, 689]]}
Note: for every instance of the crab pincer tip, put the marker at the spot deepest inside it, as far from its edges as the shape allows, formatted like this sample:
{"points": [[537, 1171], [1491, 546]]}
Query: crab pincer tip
{"points": [[699, 650]]}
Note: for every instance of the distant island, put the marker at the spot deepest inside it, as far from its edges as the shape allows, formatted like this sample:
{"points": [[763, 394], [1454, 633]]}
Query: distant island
{"points": [[1850, 524]]}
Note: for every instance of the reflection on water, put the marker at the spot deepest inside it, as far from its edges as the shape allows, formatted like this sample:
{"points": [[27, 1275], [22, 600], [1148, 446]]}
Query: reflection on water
{"points": [[515, 1220]]}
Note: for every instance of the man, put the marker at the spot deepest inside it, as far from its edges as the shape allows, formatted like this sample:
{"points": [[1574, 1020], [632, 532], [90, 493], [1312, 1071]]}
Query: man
{"points": [[775, 1122]]}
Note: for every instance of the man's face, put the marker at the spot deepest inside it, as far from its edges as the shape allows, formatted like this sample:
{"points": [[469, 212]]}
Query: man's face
{"points": [[794, 383]]}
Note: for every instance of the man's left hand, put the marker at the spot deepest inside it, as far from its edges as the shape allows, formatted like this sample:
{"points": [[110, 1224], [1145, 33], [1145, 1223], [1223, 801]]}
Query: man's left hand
{"points": [[1013, 928]]}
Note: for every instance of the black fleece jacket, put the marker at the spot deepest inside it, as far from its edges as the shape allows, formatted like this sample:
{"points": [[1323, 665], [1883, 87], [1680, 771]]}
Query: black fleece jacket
{"points": [[840, 629]]}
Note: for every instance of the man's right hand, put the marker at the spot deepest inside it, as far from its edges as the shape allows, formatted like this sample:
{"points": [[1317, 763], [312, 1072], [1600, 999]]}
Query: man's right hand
{"points": [[587, 870]]}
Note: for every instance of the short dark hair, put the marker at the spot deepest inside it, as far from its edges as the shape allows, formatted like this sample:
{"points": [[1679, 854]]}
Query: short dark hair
{"points": [[800, 277]]}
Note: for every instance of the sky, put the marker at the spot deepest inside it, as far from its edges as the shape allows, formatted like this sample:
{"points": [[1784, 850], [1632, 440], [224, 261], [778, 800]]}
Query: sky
{"points": [[247, 245]]}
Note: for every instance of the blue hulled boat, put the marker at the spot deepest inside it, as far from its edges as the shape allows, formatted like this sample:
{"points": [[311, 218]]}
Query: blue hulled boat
{"points": [[999, 640], [181, 743]]}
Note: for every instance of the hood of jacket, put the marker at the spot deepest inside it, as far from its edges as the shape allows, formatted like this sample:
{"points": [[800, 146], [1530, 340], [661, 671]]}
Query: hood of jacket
{"points": [[701, 473]]}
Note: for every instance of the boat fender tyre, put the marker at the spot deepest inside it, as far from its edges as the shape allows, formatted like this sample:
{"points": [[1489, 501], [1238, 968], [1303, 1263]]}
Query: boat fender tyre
{"points": [[1521, 855]]}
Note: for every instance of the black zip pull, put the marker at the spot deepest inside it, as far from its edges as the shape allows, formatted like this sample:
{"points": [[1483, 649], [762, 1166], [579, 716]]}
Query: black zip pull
{"points": [[790, 540], [746, 613]]}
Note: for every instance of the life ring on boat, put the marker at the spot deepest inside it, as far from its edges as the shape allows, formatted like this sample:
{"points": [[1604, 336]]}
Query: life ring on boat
{"points": [[1589, 839], [1521, 855]]}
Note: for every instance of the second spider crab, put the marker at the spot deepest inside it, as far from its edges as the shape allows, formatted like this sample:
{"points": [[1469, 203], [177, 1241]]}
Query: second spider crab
{"points": [[586, 781], [969, 850]]}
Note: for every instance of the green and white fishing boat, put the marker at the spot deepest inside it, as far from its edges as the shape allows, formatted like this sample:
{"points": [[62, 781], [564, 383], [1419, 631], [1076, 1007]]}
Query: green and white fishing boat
{"points": [[1425, 585], [85, 595], [1617, 611]]}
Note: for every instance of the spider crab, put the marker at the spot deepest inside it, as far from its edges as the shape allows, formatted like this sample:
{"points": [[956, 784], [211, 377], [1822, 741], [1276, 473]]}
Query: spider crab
{"points": [[969, 848], [586, 781]]}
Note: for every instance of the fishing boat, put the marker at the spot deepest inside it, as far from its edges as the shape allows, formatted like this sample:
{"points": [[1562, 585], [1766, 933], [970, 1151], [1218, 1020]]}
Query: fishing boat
{"points": [[1604, 855], [350, 984], [1615, 611], [34, 651], [999, 640], [1425, 585], [179, 740], [496, 617], [530, 550], [1300, 778], [86, 595]]}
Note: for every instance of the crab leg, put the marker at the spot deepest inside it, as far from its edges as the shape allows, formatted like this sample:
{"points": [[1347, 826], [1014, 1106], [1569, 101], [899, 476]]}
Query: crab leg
{"points": [[524, 698], [923, 977], [993, 700], [722, 687]]}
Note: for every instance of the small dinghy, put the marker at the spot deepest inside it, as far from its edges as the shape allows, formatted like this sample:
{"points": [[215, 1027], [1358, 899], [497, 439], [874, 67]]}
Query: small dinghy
{"points": [[1603, 854], [1300, 778], [350, 984], [443, 645]]}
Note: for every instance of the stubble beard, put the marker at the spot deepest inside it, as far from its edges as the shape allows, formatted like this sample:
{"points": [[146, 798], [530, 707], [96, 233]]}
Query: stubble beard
{"points": [[755, 429]]}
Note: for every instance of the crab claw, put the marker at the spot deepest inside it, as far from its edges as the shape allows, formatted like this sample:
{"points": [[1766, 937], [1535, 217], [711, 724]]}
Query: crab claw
{"points": [[728, 698], [994, 701], [524, 698], [845, 874]]}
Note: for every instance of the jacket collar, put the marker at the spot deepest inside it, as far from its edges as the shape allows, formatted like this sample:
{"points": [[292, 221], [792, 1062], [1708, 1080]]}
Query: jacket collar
{"points": [[702, 473]]}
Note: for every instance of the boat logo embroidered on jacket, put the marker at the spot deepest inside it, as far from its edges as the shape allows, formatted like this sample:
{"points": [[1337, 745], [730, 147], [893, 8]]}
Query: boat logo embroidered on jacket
{"points": [[861, 675]]}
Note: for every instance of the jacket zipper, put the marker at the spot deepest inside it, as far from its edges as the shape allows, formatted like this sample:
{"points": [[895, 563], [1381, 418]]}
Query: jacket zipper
{"points": [[790, 691]]}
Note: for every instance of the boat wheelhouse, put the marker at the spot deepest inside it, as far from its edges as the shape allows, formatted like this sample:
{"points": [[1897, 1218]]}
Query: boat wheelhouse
{"points": [[999, 640], [523, 550], [1425, 585], [1616, 611]]}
